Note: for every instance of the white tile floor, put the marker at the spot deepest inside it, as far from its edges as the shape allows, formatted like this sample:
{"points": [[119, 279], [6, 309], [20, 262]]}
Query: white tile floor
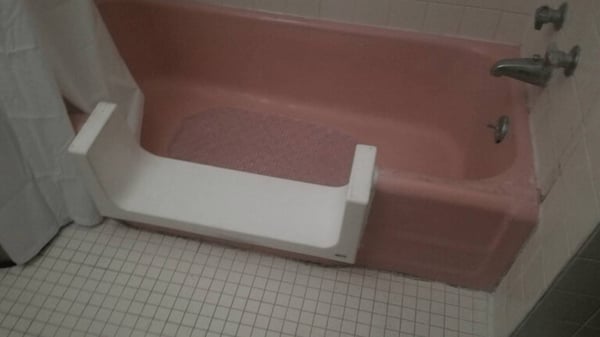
{"points": [[112, 280]]}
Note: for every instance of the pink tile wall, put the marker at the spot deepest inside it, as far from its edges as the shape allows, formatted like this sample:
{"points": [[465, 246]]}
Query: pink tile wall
{"points": [[565, 121], [498, 20]]}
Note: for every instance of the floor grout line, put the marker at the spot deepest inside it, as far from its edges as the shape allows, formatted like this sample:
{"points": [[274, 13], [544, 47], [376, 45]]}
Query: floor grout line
{"points": [[121, 281]]}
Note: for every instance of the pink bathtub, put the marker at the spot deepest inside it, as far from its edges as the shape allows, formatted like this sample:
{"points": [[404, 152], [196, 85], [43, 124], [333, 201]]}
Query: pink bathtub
{"points": [[449, 205]]}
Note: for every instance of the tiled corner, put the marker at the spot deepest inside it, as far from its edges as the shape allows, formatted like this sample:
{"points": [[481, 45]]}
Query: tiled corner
{"points": [[582, 276], [568, 215], [546, 155], [591, 249], [571, 305], [564, 114], [113, 280], [565, 124], [583, 213], [568, 307]]}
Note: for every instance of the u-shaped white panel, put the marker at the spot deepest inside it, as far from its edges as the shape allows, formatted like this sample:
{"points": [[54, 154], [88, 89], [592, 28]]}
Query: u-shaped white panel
{"points": [[132, 184]]}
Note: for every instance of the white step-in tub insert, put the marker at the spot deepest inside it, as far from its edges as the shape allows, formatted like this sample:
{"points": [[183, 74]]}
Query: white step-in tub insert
{"points": [[132, 184]]}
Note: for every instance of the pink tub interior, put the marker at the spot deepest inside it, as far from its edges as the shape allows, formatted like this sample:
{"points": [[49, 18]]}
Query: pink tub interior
{"points": [[291, 97]]}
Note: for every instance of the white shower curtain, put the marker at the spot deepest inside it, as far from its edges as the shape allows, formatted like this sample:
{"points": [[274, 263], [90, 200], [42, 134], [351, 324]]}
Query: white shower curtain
{"points": [[50, 49]]}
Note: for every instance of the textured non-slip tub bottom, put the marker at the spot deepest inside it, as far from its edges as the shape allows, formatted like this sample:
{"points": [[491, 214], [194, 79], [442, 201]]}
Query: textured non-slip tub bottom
{"points": [[266, 144]]}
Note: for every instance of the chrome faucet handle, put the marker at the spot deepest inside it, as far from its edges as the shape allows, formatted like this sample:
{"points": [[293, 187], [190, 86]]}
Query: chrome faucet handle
{"points": [[500, 128], [556, 17], [560, 59]]}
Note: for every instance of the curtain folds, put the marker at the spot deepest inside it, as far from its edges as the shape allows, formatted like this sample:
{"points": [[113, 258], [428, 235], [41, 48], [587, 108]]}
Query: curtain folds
{"points": [[51, 49]]}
